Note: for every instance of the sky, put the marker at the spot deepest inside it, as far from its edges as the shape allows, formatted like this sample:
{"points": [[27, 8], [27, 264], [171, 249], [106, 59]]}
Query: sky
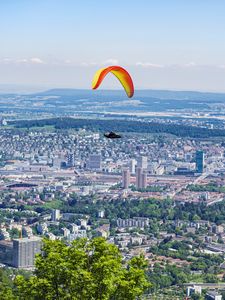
{"points": [[164, 44]]}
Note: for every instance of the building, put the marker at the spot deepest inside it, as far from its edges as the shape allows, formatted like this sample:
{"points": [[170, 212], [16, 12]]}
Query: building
{"points": [[134, 222], [103, 230], [125, 178], [77, 235], [184, 171], [3, 122], [144, 180], [6, 252], [217, 229], [70, 160], [42, 228], [187, 157], [83, 223], [57, 162], [55, 215], [66, 232], [4, 234], [142, 162], [74, 228], [25, 250], [152, 167], [139, 177], [27, 231], [195, 289], [101, 213], [51, 236], [94, 162], [132, 166], [199, 161], [212, 295]]}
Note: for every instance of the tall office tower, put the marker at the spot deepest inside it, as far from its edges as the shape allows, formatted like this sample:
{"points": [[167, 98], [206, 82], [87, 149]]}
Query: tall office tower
{"points": [[199, 161], [57, 162], [70, 160], [142, 162], [24, 251], [125, 178], [132, 166], [139, 178], [94, 162], [144, 180], [55, 215]]}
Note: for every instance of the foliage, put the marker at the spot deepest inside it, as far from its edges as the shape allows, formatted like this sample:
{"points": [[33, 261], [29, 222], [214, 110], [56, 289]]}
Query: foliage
{"points": [[210, 187], [85, 270], [153, 188], [6, 292], [122, 126]]}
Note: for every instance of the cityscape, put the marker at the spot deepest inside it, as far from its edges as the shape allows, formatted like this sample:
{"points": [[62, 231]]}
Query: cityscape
{"points": [[141, 193], [112, 150]]}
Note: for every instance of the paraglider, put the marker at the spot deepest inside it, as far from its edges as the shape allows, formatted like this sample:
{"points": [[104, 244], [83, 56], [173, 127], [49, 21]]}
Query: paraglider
{"points": [[112, 135], [125, 79], [122, 75]]}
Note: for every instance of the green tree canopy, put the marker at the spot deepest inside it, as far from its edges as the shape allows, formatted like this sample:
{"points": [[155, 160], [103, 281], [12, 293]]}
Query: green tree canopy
{"points": [[85, 270]]}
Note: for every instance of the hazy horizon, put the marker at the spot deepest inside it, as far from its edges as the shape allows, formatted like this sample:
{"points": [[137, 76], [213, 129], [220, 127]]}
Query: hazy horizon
{"points": [[165, 45], [29, 89]]}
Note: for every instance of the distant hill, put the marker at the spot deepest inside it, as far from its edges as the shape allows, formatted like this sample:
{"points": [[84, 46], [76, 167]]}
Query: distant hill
{"points": [[158, 94], [79, 101]]}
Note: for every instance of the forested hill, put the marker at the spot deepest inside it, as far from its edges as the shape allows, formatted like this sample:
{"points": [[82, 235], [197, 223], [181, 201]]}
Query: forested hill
{"points": [[121, 126]]}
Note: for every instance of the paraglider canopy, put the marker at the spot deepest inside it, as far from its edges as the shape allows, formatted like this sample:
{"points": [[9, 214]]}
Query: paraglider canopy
{"points": [[122, 75]]}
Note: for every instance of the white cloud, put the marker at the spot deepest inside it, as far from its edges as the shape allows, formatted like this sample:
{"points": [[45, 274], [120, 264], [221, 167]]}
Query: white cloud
{"points": [[176, 66], [89, 64], [21, 61], [36, 60], [33, 60], [148, 65], [190, 65], [110, 61]]}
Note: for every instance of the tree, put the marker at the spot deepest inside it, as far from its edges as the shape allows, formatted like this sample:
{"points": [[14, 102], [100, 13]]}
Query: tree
{"points": [[85, 270], [6, 291], [195, 296]]}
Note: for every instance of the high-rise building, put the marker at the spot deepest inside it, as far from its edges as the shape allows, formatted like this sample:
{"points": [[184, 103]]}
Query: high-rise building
{"points": [[25, 250], [55, 215], [199, 161], [139, 177], [144, 180], [142, 162], [132, 166], [70, 160], [125, 178], [94, 162]]}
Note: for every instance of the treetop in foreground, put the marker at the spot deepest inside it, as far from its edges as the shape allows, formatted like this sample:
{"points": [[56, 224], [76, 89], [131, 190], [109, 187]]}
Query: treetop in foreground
{"points": [[92, 270]]}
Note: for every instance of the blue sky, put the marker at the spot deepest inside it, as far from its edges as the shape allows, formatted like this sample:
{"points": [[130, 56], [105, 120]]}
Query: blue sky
{"points": [[176, 44]]}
